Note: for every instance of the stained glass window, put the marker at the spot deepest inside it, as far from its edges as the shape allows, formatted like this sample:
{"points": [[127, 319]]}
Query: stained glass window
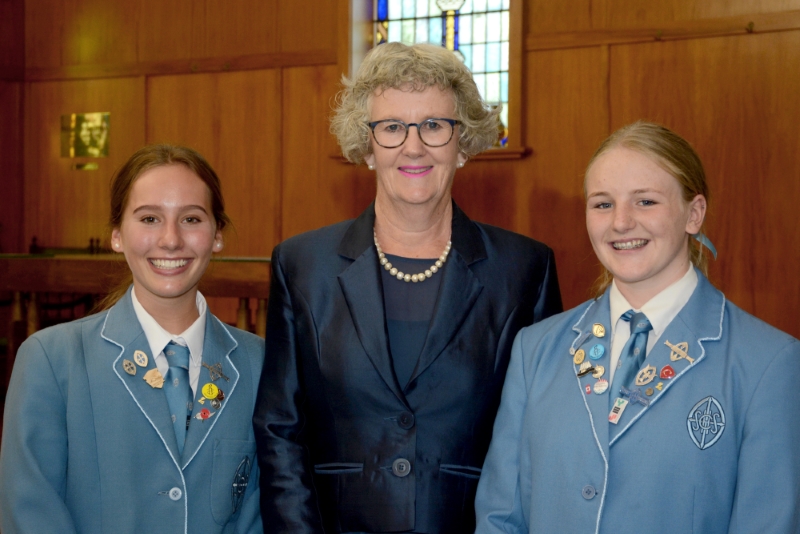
{"points": [[476, 30]]}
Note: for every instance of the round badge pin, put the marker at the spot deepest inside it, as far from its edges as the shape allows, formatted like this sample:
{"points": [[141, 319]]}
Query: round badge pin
{"points": [[140, 358], [210, 391], [601, 386], [599, 371], [580, 355], [597, 351], [598, 330]]}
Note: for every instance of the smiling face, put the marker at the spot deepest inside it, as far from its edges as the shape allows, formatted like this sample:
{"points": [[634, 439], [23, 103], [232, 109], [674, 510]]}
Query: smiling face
{"points": [[414, 173], [638, 222], [167, 234]]}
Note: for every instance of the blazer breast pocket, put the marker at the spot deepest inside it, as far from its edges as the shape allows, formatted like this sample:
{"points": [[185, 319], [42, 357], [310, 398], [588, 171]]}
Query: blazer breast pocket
{"points": [[230, 476]]}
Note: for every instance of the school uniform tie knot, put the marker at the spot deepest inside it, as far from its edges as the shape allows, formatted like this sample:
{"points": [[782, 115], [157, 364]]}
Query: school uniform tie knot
{"points": [[178, 390], [633, 353]]}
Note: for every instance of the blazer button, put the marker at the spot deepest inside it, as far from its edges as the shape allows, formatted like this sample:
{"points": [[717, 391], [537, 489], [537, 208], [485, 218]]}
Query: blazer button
{"points": [[175, 494], [406, 420], [401, 467], [588, 492]]}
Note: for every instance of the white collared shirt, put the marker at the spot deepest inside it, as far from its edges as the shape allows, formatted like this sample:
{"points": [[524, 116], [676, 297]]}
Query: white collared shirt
{"points": [[158, 338], [660, 310]]}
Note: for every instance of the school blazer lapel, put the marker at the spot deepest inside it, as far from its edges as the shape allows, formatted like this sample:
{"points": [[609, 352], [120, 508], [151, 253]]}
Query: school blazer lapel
{"points": [[122, 328], [218, 369], [687, 335], [363, 292], [597, 313]]}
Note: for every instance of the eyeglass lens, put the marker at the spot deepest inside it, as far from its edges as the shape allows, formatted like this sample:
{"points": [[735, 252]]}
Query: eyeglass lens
{"points": [[433, 132]]}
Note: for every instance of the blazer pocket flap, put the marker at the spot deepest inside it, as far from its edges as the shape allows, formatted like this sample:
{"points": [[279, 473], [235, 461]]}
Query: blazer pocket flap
{"points": [[461, 470], [338, 468]]}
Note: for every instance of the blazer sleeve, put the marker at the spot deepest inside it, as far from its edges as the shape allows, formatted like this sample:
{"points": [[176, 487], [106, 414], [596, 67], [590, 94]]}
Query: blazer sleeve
{"points": [[498, 504], [768, 481], [33, 455], [549, 300], [288, 499]]}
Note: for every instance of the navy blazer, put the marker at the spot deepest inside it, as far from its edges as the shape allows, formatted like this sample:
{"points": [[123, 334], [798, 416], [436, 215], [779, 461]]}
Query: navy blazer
{"points": [[342, 446], [710, 450], [89, 448]]}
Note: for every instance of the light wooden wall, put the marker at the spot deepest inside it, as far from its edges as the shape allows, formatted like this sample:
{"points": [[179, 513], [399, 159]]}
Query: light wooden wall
{"points": [[250, 85]]}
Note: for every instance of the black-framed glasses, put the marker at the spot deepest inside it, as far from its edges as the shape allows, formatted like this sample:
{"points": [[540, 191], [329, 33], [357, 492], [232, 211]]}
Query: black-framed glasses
{"points": [[391, 133]]}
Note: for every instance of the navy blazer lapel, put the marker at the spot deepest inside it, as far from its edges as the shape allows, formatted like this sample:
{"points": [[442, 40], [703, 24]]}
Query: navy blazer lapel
{"points": [[217, 348], [693, 326], [458, 291], [122, 328], [363, 291], [598, 313]]}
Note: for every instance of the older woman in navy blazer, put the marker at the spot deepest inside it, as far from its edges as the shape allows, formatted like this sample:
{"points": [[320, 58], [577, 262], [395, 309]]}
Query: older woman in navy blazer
{"points": [[90, 441], [380, 388], [702, 438]]}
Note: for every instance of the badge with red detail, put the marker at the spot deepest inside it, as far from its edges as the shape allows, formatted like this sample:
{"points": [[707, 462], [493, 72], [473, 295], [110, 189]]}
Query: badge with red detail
{"points": [[667, 372], [588, 389], [204, 414]]}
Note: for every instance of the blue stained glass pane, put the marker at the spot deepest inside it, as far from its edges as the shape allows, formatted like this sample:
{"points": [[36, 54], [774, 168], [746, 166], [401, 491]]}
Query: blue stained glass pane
{"points": [[479, 58], [493, 57], [464, 29], [422, 8], [478, 5], [493, 87], [395, 10], [434, 9], [466, 51], [493, 27], [480, 81], [504, 36], [407, 31], [383, 9], [479, 28], [504, 87], [395, 31], [435, 31], [495, 5], [467, 7], [504, 56], [409, 9], [422, 31]]}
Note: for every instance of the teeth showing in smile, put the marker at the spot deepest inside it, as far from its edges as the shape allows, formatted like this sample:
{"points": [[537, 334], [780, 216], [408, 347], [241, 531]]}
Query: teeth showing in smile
{"points": [[628, 245], [415, 171], [168, 264]]}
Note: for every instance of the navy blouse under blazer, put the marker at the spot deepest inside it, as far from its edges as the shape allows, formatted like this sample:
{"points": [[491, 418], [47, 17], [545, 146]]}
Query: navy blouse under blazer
{"points": [[343, 447], [89, 448]]}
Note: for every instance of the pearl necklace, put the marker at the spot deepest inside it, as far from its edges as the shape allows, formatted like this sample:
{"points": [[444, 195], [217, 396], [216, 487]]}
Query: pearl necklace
{"points": [[421, 277]]}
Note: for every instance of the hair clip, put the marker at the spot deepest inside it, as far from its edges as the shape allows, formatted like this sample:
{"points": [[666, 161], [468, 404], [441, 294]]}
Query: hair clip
{"points": [[706, 242]]}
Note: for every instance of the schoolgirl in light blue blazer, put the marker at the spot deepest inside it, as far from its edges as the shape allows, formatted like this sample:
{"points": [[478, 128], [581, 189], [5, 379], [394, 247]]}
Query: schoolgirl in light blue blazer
{"points": [[89, 441], [704, 438]]}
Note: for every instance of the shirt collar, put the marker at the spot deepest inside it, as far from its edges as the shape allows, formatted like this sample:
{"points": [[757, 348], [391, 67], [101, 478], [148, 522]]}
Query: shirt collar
{"points": [[158, 338], [662, 308]]}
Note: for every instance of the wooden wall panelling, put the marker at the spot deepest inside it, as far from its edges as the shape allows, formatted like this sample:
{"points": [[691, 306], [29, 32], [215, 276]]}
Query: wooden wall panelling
{"points": [[234, 120], [318, 188], [566, 119], [306, 25], [645, 13], [71, 32], [11, 204], [545, 16], [65, 207], [12, 39], [735, 99]]}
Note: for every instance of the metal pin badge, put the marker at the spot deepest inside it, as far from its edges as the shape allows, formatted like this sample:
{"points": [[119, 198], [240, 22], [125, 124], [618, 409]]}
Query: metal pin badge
{"points": [[645, 375], [580, 355], [154, 378], [598, 330], [140, 358], [129, 368], [679, 351]]}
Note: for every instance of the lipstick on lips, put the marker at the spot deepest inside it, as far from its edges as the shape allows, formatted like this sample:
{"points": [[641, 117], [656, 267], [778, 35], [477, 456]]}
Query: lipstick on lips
{"points": [[415, 171]]}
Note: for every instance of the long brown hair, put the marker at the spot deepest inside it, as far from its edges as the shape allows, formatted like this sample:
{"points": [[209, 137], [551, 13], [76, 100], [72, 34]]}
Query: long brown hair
{"points": [[675, 155], [143, 160]]}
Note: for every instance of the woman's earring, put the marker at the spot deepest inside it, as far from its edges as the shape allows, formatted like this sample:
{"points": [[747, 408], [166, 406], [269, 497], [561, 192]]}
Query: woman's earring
{"points": [[371, 167], [116, 245], [461, 165]]}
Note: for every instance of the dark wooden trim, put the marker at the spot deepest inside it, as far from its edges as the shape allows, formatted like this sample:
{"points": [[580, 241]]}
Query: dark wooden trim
{"points": [[695, 29], [12, 74], [184, 66]]}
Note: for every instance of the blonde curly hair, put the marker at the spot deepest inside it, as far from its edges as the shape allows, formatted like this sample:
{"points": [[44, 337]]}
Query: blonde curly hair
{"points": [[419, 66]]}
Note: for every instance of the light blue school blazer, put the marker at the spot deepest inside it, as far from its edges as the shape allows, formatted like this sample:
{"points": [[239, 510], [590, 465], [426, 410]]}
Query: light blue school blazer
{"points": [[716, 450], [89, 448]]}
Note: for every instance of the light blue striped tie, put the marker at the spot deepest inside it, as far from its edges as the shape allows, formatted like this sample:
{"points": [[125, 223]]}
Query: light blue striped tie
{"points": [[179, 393], [633, 353]]}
